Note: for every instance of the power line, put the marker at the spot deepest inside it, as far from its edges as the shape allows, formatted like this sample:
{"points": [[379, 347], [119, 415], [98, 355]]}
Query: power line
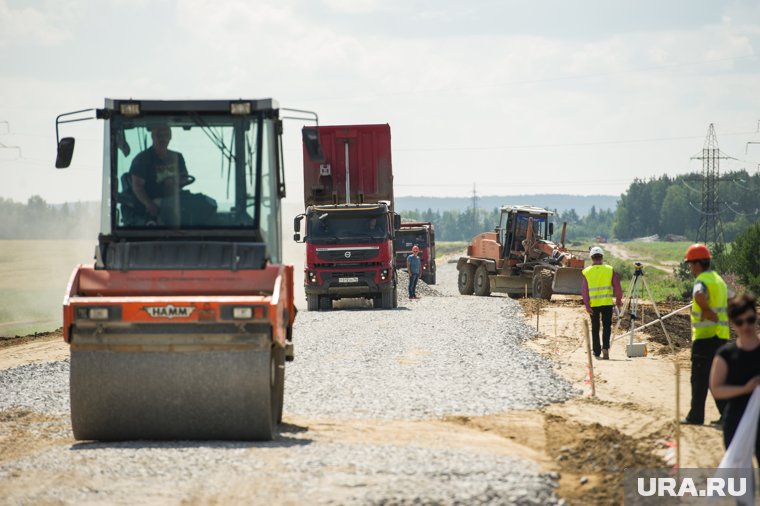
{"points": [[563, 145]]}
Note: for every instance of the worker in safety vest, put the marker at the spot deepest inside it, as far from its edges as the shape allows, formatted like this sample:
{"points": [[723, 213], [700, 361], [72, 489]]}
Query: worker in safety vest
{"points": [[709, 328], [601, 292]]}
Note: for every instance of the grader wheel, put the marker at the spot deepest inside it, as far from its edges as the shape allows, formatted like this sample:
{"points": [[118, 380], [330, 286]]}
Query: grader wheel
{"points": [[482, 283], [542, 284], [466, 279]]}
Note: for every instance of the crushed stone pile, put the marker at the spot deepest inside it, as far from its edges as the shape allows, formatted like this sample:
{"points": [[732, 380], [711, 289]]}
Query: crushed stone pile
{"points": [[423, 289]]}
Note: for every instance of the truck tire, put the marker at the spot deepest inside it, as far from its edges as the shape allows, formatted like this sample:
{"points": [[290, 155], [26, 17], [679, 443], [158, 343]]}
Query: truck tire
{"points": [[431, 279], [481, 282], [466, 279], [386, 299], [312, 302], [395, 297], [325, 303], [542, 284], [377, 303]]}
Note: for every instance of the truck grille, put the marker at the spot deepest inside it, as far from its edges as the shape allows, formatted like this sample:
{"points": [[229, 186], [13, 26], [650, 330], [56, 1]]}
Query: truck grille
{"points": [[347, 254]]}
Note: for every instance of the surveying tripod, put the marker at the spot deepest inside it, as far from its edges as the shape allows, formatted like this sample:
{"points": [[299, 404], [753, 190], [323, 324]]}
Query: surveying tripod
{"points": [[632, 307]]}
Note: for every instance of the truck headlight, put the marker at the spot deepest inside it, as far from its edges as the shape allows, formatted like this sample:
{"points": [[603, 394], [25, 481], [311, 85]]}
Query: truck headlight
{"points": [[384, 274], [312, 276]]}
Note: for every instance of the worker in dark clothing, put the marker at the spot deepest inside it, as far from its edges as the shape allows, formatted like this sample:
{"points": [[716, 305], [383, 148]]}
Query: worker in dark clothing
{"points": [[735, 369], [158, 172], [413, 267], [601, 292], [709, 329]]}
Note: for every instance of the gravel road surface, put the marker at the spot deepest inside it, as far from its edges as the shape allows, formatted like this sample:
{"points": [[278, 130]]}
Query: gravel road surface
{"points": [[366, 401]]}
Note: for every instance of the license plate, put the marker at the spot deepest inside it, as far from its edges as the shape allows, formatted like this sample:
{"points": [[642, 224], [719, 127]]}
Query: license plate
{"points": [[348, 280]]}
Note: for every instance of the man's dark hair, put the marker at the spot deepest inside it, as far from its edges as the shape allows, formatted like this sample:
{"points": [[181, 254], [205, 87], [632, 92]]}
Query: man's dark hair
{"points": [[597, 257], [741, 304], [704, 263]]}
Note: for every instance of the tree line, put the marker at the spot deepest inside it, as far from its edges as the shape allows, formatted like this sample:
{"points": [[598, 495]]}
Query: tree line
{"points": [[663, 206], [37, 219], [671, 205], [463, 225]]}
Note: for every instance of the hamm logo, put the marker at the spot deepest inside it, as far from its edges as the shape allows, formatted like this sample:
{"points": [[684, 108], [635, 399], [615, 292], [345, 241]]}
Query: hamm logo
{"points": [[169, 311]]}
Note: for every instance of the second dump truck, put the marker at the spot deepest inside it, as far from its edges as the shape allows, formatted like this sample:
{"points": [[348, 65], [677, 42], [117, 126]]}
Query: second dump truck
{"points": [[349, 218], [422, 235]]}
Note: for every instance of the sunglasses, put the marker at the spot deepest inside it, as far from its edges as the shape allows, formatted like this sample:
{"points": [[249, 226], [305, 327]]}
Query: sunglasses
{"points": [[750, 320]]}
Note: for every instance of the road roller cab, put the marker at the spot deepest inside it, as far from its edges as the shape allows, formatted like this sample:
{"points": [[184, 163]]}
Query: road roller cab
{"points": [[181, 327]]}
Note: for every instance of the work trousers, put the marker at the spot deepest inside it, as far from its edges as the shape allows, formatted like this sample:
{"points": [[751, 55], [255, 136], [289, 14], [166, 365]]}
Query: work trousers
{"points": [[605, 314], [413, 277], [702, 354]]}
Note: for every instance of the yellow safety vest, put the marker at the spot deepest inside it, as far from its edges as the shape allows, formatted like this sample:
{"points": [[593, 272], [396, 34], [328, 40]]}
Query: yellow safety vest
{"points": [[718, 298], [599, 279]]}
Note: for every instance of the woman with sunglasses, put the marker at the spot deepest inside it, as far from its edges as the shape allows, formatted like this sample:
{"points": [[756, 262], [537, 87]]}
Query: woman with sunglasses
{"points": [[736, 368]]}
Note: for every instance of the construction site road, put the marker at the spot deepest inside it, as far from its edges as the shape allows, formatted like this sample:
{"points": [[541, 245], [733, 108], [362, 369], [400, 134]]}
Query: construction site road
{"points": [[377, 411]]}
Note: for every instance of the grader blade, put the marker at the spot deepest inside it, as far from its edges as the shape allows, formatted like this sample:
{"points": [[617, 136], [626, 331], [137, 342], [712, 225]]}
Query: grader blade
{"points": [[567, 281]]}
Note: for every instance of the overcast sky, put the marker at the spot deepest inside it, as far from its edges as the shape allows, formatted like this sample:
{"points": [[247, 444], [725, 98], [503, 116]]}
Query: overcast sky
{"points": [[512, 96]]}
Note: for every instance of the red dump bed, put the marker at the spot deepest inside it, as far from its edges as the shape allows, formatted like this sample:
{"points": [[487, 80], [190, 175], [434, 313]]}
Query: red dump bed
{"points": [[369, 162]]}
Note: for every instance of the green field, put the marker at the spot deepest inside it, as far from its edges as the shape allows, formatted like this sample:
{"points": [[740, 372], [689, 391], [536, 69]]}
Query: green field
{"points": [[33, 278], [663, 253], [449, 247]]}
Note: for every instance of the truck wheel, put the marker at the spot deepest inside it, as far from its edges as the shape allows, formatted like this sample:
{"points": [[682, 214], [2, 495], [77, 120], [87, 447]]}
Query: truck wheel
{"points": [[466, 279], [482, 283], [395, 297], [325, 303], [386, 299], [312, 302], [376, 302], [431, 279], [542, 284]]}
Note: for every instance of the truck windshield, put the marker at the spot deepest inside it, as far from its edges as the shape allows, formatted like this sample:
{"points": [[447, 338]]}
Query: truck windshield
{"points": [[192, 171], [334, 227], [405, 239]]}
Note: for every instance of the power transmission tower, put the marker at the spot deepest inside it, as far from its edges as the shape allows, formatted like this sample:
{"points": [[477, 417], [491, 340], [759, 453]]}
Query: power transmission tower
{"points": [[474, 208], [710, 224]]}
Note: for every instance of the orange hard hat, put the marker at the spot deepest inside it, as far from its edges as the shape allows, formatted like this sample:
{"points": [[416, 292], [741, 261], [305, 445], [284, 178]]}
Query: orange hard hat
{"points": [[697, 252], [415, 248]]}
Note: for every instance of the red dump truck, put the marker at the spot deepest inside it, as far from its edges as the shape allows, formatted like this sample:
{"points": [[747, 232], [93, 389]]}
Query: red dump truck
{"points": [[349, 220], [422, 235]]}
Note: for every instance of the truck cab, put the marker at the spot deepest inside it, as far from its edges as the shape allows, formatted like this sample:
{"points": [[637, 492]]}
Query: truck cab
{"points": [[349, 254]]}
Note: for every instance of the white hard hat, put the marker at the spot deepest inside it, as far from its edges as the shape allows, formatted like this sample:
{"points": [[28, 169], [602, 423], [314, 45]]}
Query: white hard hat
{"points": [[596, 250]]}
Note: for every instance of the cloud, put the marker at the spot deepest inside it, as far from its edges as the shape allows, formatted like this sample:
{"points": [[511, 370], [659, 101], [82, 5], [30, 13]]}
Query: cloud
{"points": [[27, 26]]}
